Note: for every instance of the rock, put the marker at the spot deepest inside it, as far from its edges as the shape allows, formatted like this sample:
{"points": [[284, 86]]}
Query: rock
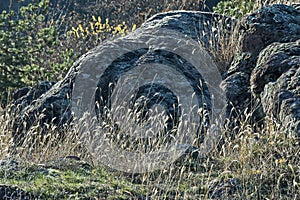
{"points": [[203, 27], [8, 192], [9, 164], [276, 23], [276, 81], [20, 93], [224, 188], [25, 96], [274, 61], [237, 88], [54, 106], [213, 31]]}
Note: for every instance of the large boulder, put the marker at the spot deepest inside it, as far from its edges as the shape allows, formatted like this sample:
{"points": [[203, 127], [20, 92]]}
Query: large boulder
{"points": [[276, 23], [23, 97], [212, 31], [276, 81], [54, 106], [45, 103], [13, 192]]}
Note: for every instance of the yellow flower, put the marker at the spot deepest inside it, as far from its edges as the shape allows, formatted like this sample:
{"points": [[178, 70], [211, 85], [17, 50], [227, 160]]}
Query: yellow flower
{"points": [[133, 27], [256, 171], [75, 30], [281, 160]]}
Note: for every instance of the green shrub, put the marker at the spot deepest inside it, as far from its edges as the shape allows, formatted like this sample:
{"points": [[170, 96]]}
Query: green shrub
{"points": [[239, 8], [27, 48], [235, 8]]}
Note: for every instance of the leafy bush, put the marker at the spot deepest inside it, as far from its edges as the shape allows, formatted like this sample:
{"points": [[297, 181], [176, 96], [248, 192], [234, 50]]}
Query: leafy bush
{"points": [[239, 8], [27, 48], [235, 8]]}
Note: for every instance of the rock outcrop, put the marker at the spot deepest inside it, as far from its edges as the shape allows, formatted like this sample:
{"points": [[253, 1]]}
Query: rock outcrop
{"points": [[54, 106], [23, 97], [262, 80], [257, 59], [276, 81], [13, 192]]}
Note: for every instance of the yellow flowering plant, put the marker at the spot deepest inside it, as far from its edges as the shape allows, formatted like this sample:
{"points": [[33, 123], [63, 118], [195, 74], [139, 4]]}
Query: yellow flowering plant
{"points": [[101, 29]]}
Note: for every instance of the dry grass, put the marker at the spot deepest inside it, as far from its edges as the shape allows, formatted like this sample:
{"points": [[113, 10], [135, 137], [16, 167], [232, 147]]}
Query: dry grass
{"points": [[256, 164]]}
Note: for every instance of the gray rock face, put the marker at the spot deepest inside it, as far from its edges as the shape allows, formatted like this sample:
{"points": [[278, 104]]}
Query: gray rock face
{"points": [[277, 23], [43, 104], [25, 96], [274, 61], [203, 27], [276, 79], [236, 84], [224, 188], [12, 192]]}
